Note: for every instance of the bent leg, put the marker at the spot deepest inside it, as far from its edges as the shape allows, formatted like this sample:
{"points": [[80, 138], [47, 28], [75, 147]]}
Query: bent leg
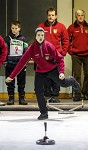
{"points": [[70, 81]]}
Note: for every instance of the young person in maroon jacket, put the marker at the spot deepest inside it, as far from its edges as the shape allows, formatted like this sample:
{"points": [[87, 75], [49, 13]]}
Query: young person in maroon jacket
{"points": [[42, 52], [3, 54], [78, 49], [56, 34]]}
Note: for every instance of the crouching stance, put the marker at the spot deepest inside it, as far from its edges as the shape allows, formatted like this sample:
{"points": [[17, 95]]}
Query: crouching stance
{"points": [[42, 52]]}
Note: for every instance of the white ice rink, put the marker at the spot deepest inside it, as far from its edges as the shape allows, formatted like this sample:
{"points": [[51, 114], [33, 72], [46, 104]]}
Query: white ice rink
{"points": [[19, 130]]}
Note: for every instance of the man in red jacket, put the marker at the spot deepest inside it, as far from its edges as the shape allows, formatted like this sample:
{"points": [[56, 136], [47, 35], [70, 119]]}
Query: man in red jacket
{"points": [[56, 34], [78, 49], [42, 52], [3, 54]]}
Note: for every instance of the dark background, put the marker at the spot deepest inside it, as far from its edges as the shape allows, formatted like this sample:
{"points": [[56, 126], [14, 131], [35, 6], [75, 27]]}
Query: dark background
{"points": [[30, 14]]}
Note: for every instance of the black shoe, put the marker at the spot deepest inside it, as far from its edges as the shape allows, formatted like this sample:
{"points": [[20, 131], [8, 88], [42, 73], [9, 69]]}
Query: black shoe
{"points": [[76, 98], [43, 116], [11, 102], [22, 102]]}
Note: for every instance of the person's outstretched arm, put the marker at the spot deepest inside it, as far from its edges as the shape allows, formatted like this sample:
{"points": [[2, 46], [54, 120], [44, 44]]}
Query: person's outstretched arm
{"points": [[24, 59]]}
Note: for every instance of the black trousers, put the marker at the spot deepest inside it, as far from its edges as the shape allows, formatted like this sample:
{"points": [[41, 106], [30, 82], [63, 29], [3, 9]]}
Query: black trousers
{"points": [[39, 86], [77, 63], [51, 88], [21, 80]]}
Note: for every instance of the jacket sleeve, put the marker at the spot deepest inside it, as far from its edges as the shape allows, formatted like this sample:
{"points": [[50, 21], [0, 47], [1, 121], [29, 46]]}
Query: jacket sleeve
{"points": [[23, 61], [64, 41], [3, 50], [70, 40], [57, 57]]}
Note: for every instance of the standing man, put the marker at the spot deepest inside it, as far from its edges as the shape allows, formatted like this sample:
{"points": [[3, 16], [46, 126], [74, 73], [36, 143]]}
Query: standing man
{"points": [[3, 54], [56, 34], [78, 49]]}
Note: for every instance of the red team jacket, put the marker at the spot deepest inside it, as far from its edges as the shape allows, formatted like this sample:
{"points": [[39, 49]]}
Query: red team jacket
{"points": [[42, 55], [78, 36], [57, 35], [3, 51]]}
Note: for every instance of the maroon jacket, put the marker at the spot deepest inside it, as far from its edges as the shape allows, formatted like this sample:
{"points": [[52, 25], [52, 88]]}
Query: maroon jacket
{"points": [[78, 36], [42, 56], [57, 35], [3, 50]]}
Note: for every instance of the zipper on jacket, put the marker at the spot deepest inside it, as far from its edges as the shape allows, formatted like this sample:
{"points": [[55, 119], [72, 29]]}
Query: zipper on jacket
{"points": [[41, 50], [81, 29], [50, 29]]}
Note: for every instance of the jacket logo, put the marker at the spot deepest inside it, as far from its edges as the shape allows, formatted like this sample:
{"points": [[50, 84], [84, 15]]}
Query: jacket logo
{"points": [[16, 42], [54, 30], [47, 57], [86, 31]]}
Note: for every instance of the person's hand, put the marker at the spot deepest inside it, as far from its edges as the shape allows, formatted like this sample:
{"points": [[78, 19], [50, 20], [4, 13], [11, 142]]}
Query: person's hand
{"points": [[61, 76], [8, 79]]}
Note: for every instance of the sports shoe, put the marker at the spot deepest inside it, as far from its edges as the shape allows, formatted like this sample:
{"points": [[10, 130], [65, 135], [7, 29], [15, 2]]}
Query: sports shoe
{"points": [[11, 100], [43, 116], [22, 102], [77, 98]]}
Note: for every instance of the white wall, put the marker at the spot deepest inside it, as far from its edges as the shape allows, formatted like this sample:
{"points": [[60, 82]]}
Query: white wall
{"points": [[78, 4], [64, 15]]}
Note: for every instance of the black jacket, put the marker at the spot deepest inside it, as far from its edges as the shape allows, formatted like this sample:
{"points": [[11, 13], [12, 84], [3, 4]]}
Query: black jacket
{"points": [[15, 59]]}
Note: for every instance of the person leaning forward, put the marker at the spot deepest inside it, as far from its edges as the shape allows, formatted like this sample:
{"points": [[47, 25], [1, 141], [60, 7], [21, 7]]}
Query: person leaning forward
{"points": [[42, 51]]}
